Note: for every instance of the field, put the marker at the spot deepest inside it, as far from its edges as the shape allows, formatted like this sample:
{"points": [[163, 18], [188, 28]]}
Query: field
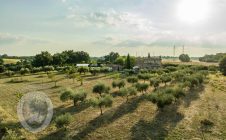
{"points": [[10, 61], [136, 119]]}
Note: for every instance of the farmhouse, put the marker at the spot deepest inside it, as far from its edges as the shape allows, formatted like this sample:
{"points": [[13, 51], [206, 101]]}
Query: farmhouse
{"points": [[149, 62]]}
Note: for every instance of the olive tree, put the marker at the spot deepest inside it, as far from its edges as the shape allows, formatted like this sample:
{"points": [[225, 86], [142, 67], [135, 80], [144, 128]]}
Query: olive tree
{"points": [[63, 120], [24, 71], [155, 82], [165, 78], [53, 78], [142, 87], [104, 101], [100, 89], [132, 79], [144, 77], [75, 96], [119, 84]]}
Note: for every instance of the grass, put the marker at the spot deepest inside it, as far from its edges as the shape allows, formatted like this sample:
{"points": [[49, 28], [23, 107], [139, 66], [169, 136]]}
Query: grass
{"points": [[193, 62], [10, 61], [137, 119]]}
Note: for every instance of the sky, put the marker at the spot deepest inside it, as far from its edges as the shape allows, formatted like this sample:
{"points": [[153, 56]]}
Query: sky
{"points": [[98, 27]]}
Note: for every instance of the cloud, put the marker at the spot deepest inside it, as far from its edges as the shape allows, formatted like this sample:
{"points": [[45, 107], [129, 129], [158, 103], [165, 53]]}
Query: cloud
{"points": [[6, 38], [113, 18]]}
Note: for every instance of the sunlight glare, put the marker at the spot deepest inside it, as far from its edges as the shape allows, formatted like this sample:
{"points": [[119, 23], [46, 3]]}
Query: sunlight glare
{"points": [[193, 11]]}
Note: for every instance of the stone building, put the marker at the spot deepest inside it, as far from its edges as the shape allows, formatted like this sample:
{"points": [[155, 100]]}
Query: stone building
{"points": [[149, 62]]}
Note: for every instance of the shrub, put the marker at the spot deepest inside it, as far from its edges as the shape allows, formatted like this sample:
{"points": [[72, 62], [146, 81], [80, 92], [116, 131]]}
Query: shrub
{"points": [[63, 120], [132, 79], [101, 88], [105, 101]]}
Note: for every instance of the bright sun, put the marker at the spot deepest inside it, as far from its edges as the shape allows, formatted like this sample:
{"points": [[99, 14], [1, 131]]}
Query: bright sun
{"points": [[193, 11]]}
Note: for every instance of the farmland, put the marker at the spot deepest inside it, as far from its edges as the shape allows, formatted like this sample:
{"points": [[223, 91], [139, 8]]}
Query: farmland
{"points": [[136, 119]]}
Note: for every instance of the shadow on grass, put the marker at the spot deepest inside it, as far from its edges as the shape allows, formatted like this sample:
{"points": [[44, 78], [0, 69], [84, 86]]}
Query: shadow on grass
{"points": [[165, 120], [57, 135], [72, 109], [109, 117]]}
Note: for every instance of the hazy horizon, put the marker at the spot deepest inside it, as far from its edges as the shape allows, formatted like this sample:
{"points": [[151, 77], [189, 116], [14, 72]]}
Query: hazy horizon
{"points": [[125, 26]]}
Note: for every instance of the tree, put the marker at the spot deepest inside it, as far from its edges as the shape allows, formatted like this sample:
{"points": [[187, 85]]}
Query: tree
{"points": [[43, 59], [63, 120], [142, 87], [94, 71], [222, 66], [128, 62], [144, 77], [83, 70], [48, 68], [165, 78], [165, 96], [111, 57], [119, 84], [24, 71], [155, 82], [120, 61], [101, 88], [75, 96], [1, 61], [79, 96], [53, 78], [2, 68], [72, 57], [59, 59], [127, 92], [132, 79], [72, 76], [184, 58], [105, 101], [66, 94], [80, 79]]}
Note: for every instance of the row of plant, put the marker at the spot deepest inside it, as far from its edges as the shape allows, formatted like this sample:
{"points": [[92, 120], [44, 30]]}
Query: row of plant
{"points": [[162, 96]]}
